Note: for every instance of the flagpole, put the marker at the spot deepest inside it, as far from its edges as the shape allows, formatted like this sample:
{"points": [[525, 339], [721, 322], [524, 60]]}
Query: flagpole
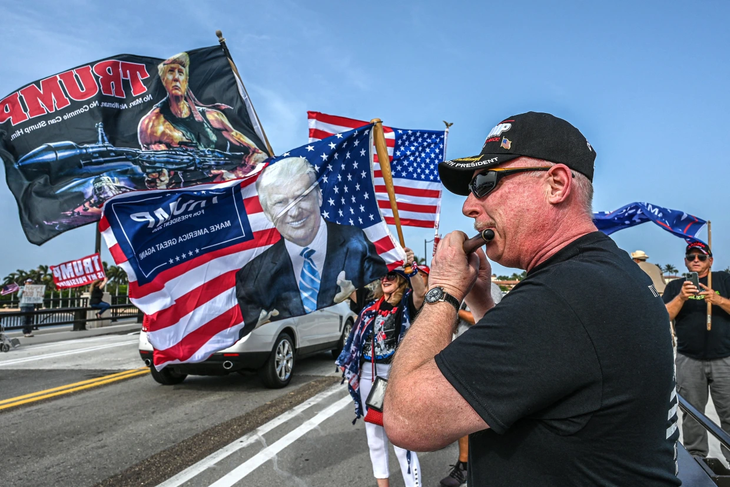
{"points": [[436, 237], [709, 277], [222, 42], [384, 160]]}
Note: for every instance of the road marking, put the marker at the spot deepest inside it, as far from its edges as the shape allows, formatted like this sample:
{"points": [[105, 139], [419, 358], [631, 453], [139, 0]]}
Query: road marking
{"points": [[247, 439], [32, 347], [272, 450], [64, 353], [67, 389]]}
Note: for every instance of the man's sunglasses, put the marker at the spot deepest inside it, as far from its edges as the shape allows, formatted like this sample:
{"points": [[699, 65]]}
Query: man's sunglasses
{"points": [[691, 257], [484, 183]]}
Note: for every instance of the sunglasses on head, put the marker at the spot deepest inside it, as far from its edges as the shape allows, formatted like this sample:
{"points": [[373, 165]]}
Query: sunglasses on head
{"points": [[390, 276], [484, 183], [691, 257]]}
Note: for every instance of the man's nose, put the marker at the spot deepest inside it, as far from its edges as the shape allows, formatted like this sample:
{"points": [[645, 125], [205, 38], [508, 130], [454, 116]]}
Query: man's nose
{"points": [[471, 207]]}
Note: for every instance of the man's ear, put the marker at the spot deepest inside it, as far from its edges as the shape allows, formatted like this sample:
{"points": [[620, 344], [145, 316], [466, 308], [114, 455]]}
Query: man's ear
{"points": [[560, 183]]}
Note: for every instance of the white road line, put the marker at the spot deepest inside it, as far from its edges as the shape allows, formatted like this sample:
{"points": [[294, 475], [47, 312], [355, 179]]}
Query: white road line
{"points": [[271, 451], [63, 354], [66, 343], [246, 440]]}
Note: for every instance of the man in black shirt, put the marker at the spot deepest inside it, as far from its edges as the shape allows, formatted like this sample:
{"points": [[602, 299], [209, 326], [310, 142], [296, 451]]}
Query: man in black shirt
{"points": [[569, 380], [703, 356]]}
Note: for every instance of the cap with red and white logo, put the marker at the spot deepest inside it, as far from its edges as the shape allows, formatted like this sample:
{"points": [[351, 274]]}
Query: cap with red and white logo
{"points": [[532, 134], [701, 246]]}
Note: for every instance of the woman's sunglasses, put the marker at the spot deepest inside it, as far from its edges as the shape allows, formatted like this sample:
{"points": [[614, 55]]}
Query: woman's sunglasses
{"points": [[390, 276], [691, 257], [484, 183]]}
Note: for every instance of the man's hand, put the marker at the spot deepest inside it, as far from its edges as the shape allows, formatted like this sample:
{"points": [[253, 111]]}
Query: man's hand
{"points": [[157, 180], [346, 288], [452, 269], [710, 295], [688, 290], [265, 316]]}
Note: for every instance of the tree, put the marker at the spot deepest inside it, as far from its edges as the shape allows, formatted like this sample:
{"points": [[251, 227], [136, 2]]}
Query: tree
{"points": [[669, 270]]}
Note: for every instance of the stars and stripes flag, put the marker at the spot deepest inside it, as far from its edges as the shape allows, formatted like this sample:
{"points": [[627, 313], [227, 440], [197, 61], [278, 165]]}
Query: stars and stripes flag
{"points": [[414, 156], [9, 288], [181, 248]]}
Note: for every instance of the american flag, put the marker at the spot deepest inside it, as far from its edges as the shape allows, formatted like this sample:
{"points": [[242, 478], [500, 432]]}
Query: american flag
{"points": [[414, 156], [9, 289], [183, 276]]}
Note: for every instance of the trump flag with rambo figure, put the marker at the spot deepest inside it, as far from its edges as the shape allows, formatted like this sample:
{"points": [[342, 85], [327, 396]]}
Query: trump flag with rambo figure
{"points": [[210, 263], [71, 141]]}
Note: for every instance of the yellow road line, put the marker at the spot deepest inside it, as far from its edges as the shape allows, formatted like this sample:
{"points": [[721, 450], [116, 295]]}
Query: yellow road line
{"points": [[79, 386], [75, 384]]}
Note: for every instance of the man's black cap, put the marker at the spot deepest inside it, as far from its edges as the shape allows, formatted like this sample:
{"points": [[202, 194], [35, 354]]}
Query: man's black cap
{"points": [[700, 246], [531, 134]]}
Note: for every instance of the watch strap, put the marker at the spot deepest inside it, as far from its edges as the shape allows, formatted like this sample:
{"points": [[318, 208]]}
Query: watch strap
{"points": [[452, 300]]}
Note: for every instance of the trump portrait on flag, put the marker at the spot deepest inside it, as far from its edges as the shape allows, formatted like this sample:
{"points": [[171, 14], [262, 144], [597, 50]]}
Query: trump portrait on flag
{"points": [[316, 264]]}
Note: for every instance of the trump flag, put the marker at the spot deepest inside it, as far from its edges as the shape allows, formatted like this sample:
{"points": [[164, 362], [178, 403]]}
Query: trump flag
{"points": [[188, 251], [675, 222], [71, 141]]}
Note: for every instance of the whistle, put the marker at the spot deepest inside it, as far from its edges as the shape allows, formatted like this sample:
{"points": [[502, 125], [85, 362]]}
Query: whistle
{"points": [[485, 236]]}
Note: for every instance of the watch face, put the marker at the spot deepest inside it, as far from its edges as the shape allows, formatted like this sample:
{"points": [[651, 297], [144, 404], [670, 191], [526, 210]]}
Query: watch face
{"points": [[434, 295]]}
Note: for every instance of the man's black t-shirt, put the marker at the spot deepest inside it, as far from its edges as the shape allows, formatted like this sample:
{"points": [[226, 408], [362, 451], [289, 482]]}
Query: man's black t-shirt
{"points": [[693, 339], [573, 372]]}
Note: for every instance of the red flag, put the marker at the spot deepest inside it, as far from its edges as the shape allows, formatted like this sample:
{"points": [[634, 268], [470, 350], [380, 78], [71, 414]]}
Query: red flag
{"points": [[79, 272]]}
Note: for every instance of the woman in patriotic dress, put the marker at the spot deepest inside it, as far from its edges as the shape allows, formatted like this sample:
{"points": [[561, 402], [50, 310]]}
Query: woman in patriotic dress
{"points": [[368, 353]]}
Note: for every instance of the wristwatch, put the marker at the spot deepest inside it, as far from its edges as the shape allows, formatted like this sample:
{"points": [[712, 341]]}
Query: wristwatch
{"points": [[438, 294]]}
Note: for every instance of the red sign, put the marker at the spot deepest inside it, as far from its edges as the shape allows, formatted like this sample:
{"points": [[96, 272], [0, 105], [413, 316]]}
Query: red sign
{"points": [[80, 272]]}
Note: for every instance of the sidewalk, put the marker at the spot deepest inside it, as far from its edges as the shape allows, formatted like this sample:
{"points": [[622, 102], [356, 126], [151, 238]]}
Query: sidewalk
{"points": [[65, 332]]}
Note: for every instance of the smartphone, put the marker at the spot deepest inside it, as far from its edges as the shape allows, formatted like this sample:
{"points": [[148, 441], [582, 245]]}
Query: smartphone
{"points": [[694, 280]]}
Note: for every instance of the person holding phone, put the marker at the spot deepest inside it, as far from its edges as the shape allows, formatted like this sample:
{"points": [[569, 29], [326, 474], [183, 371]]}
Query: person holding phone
{"points": [[703, 356]]}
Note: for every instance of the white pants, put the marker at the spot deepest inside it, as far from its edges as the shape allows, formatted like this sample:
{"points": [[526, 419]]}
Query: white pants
{"points": [[378, 441]]}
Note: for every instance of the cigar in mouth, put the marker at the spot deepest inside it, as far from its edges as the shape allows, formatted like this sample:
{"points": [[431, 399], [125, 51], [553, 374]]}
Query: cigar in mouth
{"points": [[485, 236]]}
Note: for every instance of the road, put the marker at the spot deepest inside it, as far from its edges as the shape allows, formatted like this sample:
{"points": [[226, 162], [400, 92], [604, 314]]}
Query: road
{"points": [[102, 420]]}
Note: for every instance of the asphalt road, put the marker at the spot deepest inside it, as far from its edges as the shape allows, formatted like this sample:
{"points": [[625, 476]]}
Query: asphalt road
{"points": [[103, 421], [133, 431]]}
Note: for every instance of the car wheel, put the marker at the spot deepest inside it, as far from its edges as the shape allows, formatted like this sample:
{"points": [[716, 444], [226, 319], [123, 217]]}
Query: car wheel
{"points": [[167, 376], [277, 371], [343, 339]]}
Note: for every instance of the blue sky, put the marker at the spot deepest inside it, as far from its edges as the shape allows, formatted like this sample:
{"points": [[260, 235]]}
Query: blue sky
{"points": [[646, 82]]}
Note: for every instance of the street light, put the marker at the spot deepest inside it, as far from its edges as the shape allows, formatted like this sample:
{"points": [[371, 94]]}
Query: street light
{"points": [[425, 250]]}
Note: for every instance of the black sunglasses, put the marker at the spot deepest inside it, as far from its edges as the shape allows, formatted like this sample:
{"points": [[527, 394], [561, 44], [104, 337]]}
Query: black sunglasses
{"points": [[484, 183], [691, 257], [390, 276]]}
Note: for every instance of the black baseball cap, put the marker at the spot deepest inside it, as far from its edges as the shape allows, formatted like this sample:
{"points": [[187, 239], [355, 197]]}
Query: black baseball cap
{"points": [[701, 246], [531, 134]]}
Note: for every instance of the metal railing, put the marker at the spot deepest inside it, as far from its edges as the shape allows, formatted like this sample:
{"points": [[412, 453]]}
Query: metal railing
{"points": [[77, 316], [711, 467]]}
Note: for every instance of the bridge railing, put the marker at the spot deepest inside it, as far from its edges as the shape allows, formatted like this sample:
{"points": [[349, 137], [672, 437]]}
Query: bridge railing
{"points": [[76, 315], [697, 471]]}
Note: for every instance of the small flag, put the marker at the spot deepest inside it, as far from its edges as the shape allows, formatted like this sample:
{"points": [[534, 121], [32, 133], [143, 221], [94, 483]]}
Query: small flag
{"points": [[9, 289]]}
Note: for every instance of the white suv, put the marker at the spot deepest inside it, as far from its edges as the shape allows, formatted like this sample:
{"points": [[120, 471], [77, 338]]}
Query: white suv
{"points": [[272, 349]]}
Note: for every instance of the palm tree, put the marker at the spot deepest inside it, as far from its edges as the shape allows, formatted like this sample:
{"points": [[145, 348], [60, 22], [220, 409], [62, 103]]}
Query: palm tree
{"points": [[11, 278], [669, 270]]}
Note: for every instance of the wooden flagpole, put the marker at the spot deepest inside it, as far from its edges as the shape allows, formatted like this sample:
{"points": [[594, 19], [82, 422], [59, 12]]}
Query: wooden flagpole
{"points": [[384, 160], [709, 277], [222, 42]]}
